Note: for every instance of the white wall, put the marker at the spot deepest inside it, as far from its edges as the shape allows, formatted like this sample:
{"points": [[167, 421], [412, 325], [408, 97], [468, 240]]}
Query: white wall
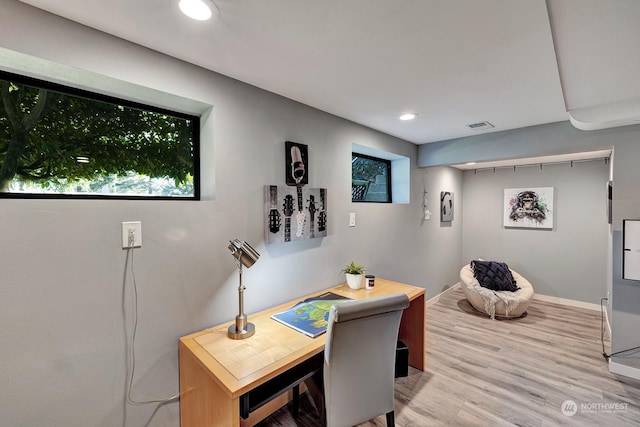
{"points": [[567, 261], [66, 309]]}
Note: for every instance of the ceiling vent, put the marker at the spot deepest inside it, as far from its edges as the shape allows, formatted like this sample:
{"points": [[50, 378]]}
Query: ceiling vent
{"points": [[480, 126]]}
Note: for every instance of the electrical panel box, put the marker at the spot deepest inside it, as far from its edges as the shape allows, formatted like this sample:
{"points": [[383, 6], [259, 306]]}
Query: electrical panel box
{"points": [[631, 249]]}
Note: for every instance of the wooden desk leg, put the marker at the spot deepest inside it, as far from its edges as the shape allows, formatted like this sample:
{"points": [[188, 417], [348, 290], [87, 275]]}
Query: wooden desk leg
{"points": [[202, 402], [412, 331]]}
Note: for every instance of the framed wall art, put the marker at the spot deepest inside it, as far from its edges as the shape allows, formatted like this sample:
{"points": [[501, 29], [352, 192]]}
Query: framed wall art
{"points": [[296, 164], [446, 206], [528, 207], [294, 213]]}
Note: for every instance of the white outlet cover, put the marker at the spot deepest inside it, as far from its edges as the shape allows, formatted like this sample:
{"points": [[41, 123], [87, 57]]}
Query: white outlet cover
{"points": [[136, 227]]}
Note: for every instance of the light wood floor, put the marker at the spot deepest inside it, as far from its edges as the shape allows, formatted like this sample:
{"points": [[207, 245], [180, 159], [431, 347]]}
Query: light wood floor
{"points": [[483, 372]]}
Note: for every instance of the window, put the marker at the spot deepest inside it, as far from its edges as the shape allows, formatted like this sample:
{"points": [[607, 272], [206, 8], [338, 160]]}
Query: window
{"points": [[57, 141], [370, 179]]}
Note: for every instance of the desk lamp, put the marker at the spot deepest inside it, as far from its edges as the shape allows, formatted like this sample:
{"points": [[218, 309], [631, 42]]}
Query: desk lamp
{"points": [[246, 256]]}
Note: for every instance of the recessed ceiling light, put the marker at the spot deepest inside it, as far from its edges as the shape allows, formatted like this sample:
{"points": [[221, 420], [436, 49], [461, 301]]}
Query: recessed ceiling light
{"points": [[200, 10], [471, 163], [408, 116]]}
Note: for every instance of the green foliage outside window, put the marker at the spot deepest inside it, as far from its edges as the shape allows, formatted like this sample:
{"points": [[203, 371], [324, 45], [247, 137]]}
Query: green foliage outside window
{"points": [[56, 140]]}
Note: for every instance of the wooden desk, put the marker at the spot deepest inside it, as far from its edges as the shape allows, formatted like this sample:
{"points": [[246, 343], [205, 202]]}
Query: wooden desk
{"points": [[216, 370]]}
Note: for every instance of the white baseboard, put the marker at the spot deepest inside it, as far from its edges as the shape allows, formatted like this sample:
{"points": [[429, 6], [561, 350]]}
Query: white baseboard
{"points": [[569, 302], [441, 294], [579, 304], [627, 371], [547, 298]]}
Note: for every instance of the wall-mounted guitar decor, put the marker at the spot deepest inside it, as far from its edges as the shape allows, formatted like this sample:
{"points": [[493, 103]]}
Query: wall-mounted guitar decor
{"points": [[294, 213]]}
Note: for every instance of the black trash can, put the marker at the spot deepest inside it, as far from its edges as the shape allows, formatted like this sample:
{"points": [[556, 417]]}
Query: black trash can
{"points": [[402, 360]]}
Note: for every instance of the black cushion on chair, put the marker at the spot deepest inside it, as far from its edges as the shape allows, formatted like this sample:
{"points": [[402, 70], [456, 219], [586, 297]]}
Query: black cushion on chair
{"points": [[494, 275]]}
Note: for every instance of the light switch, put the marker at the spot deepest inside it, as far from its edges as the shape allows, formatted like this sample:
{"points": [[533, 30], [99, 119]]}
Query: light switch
{"points": [[352, 219]]}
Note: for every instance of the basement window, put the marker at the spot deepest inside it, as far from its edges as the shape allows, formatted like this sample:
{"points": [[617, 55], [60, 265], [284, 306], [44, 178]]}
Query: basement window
{"points": [[398, 176], [370, 179], [62, 142]]}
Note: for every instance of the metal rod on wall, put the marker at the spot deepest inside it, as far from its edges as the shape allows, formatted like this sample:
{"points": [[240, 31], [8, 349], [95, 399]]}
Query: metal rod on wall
{"points": [[541, 165]]}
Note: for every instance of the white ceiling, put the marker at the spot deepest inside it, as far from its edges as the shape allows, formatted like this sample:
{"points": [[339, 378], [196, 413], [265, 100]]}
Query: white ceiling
{"points": [[513, 63]]}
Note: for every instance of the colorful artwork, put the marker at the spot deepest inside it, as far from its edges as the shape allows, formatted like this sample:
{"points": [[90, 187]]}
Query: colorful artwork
{"points": [[528, 207]]}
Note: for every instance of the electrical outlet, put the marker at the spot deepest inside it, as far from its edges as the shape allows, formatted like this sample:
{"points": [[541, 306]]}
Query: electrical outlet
{"points": [[134, 227]]}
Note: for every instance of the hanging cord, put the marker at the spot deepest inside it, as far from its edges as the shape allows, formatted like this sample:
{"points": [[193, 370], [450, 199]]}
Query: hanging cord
{"points": [[426, 213], [604, 353], [132, 343]]}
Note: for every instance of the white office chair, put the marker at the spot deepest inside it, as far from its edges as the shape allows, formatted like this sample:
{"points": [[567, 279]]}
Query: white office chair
{"points": [[359, 360]]}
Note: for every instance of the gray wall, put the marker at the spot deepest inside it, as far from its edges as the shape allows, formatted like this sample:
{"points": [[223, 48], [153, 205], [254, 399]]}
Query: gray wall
{"points": [[65, 309], [444, 238], [625, 294], [566, 261], [563, 138]]}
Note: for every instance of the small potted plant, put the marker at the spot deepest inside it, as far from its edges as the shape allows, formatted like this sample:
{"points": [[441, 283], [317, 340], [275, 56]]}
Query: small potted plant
{"points": [[355, 275]]}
